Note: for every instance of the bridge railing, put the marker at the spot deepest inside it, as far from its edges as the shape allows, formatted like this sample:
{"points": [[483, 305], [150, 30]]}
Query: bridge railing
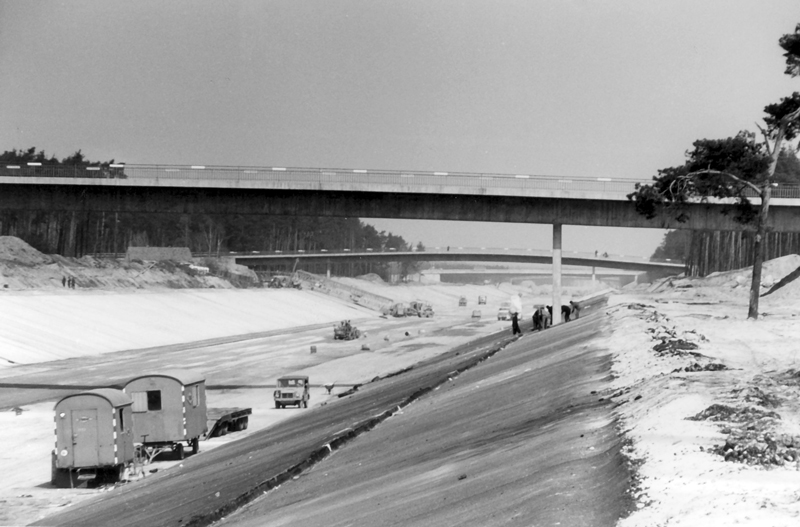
{"points": [[320, 176], [314, 177], [464, 250]]}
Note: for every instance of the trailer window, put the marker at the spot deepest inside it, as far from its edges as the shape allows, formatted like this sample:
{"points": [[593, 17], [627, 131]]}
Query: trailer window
{"points": [[153, 400], [195, 395]]}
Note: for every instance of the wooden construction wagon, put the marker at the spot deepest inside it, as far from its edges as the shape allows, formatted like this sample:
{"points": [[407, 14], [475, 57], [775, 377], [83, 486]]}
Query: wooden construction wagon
{"points": [[94, 438], [169, 409]]}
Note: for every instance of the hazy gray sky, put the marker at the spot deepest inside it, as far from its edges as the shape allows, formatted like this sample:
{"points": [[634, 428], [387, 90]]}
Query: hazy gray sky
{"points": [[617, 88]]}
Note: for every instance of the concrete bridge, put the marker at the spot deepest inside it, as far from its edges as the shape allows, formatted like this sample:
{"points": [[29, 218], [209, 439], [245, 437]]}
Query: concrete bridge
{"points": [[461, 254], [510, 198], [517, 198]]}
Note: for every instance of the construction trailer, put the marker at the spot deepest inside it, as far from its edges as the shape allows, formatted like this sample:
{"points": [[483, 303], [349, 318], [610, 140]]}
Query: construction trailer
{"points": [[94, 438], [169, 409]]}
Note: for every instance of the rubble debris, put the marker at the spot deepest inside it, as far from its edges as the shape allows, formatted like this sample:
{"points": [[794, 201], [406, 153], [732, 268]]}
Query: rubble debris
{"points": [[713, 366], [723, 412], [677, 347], [754, 394], [763, 449]]}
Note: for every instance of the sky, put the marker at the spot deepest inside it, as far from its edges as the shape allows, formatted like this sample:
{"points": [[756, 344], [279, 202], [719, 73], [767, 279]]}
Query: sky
{"points": [[618, 88]]}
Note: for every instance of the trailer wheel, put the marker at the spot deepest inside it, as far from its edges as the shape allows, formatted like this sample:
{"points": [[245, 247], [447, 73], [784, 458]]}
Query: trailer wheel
{"points": [[117, 473], [223, 429], [195, 445], [245, 421], [179, 451], [53, 469]]}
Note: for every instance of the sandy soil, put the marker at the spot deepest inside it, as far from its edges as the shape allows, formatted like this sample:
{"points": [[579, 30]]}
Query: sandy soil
{"points": [[708, 449], [714, 445]]}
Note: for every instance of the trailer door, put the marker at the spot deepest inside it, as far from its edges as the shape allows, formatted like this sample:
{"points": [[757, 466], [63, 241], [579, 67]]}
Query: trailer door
{"points": [[85, 440]]}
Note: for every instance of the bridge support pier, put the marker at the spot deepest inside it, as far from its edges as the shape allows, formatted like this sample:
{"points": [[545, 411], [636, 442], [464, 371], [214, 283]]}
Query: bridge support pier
{"points": [[556, 319]]}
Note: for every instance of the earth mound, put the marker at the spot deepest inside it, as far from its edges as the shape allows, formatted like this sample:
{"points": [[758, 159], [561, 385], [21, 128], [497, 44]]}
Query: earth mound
{"points": [[16, 251], [22, 267]]}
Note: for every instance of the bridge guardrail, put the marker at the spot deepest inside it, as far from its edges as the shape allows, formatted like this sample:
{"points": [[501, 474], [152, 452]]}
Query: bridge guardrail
{"points": [[319, 176]]}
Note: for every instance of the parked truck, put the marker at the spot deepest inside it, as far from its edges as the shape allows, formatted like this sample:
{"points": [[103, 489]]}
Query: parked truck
{"points": [[418, 308], [292, 390]]}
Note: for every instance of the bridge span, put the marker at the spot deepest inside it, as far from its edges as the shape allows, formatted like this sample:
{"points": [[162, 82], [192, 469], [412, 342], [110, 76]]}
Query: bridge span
{"points": [[510, 198], [526, 256]]}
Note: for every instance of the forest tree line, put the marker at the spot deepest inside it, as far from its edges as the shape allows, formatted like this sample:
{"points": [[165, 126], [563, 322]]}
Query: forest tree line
{"points": [[706, 252], [80, 233]]}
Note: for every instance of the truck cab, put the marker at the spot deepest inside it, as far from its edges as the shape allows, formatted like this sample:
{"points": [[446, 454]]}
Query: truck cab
{"points": [[292, 390]]}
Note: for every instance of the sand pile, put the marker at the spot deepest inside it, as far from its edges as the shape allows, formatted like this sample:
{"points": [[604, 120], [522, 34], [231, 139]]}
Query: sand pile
{"points": [[15, 251], [777, 275], [23, 268], [771, 272]]}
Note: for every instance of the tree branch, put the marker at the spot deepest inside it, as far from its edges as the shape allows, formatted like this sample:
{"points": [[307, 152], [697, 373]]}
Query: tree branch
{"points": [[728, 174], [766, 139]]}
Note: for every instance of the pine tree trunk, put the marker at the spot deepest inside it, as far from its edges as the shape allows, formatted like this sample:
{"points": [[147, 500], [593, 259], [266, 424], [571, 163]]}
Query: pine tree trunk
{"points": [[758, 256]]}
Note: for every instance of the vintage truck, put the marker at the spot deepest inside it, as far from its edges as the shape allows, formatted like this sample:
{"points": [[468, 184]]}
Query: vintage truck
{"points": [[292, 390]]}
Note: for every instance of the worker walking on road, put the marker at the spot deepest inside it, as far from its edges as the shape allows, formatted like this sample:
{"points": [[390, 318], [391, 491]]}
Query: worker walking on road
{"points": [[515, 323]]}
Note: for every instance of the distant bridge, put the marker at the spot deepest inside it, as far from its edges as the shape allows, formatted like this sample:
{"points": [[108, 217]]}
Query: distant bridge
{"points": [[461, 254]]}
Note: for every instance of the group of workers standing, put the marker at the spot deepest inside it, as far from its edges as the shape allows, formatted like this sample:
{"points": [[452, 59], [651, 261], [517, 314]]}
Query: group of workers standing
{"points": [[68, 282], [543, 316]]}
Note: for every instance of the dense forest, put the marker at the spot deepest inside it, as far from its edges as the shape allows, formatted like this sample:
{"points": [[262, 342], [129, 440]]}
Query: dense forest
{"points": [[78, 234], [706, 252]]}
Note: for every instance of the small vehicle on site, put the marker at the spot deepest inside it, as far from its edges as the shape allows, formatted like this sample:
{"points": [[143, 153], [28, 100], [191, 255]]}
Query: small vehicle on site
{"points": [[482, 299], [345, 331], [418, 308], [291, 390], [283, 281], [504, 313], [462, 301], [398, 309], [476, 313]]}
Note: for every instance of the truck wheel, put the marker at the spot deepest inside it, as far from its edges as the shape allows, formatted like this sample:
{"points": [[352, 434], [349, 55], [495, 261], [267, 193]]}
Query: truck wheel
{"points": [[277, 405], [195, 445], [245, 422], [117, 474], [223, 429], [179, 451]]}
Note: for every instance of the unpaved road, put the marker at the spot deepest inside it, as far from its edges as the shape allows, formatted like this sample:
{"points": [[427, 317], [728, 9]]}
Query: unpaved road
{"points": [[519, 438]]}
